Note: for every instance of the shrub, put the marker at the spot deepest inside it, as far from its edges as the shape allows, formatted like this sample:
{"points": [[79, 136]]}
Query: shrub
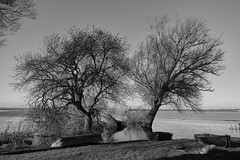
{"points": [[134, 117], [17, 139], [42, 132]]}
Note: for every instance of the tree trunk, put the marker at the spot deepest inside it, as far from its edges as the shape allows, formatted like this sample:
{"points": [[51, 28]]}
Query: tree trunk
{"points": [[110, 122], [88, 123], [147, 125], [88, 117]]}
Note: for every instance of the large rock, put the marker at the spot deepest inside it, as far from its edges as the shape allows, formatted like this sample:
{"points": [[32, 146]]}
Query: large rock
{"points": [[208, 148]]}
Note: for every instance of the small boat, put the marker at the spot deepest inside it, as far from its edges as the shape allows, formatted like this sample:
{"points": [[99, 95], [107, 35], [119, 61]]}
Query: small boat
{"points": [[218, 140], [78, 140], [161, 136], [235, 142]]}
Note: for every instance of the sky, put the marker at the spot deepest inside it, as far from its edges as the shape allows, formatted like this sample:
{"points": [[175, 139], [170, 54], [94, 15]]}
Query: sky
{"points": [[129, 19]]}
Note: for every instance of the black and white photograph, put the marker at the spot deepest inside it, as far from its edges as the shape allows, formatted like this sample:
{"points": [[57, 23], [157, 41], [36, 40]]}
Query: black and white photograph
{"points": [[119, 79]]}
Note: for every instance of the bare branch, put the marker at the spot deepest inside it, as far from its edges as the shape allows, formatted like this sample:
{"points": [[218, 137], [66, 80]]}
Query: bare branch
{"points": [[11, 14], [172, 65], [81, 70]]}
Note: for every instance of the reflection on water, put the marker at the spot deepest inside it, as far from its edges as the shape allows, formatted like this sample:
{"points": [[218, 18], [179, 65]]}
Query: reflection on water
{"points": [[235, 131], [131, 133], [235, 128]]}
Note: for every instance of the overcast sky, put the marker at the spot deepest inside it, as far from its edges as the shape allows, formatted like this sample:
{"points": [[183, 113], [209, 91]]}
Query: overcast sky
{"points": [[129, 19]]}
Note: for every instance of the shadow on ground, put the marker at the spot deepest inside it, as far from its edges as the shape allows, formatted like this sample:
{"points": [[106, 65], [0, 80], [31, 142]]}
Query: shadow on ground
{"points": [[215, 155]]}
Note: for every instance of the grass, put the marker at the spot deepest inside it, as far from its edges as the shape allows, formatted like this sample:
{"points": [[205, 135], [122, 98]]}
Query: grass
{"points": [[17, 139], [17, 135], [185, 149]]}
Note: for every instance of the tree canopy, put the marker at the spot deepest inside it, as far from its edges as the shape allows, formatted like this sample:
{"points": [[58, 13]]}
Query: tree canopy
{"points": [[82, 69], [172, 66], [12, 12]]}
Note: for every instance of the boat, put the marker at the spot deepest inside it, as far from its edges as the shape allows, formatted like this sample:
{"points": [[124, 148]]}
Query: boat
{"points": [[218, 140], [235, 142], [78, 140], [161, 136]]}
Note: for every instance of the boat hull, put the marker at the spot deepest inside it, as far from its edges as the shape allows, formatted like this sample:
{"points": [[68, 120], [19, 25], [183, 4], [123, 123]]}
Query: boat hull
{"points": [[78, 140], [235, 142], [218, 140]]}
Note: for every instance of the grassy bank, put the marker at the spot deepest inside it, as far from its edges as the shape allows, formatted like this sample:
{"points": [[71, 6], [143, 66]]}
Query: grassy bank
{"points": [[152, 150]]}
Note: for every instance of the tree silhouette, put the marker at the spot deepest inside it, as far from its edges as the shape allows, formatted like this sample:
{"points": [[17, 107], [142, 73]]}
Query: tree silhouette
{"points": [[11, 14], [172, 65], [83, 69]]}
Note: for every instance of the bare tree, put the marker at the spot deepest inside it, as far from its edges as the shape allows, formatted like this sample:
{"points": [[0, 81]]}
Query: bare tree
{"points": [[83, 69], [172, 65], [11, 14]]}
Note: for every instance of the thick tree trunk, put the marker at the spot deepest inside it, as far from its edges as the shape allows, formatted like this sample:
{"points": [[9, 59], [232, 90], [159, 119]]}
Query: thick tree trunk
{"points": [[147, 125], [88, 117], [88, 123], [110, 122]]}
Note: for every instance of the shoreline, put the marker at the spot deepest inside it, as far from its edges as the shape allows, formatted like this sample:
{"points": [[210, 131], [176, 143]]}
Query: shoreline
{"points": [[187, 128], [180, 127]]}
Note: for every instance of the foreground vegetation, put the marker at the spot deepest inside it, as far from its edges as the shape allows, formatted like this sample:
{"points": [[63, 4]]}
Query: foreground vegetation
{"points": [[18, 148], [30, 135], [167, 150]]}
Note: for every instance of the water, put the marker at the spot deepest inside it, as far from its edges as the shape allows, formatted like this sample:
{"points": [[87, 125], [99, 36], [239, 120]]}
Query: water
{"points": [[186, 124], [10, 123], [182, 125], [204, 115], [131, 133]]}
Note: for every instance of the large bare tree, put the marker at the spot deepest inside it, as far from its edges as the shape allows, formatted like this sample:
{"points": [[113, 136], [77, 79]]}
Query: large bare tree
{"points": [[172, 65], [84, 69], [11, 14]]}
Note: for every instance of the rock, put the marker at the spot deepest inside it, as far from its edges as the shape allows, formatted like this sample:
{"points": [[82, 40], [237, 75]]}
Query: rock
{"points": [[58, 143], [206, 149]]}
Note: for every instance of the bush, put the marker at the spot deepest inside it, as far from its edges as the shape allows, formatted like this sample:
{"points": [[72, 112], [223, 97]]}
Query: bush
{"points": [[134, 117], [40, 132], [20, 138]]}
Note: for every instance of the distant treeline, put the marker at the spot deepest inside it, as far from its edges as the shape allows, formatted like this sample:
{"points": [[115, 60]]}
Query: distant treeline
{"points": [[13, 108], [222, 110], [13, 112], [208, 110]]}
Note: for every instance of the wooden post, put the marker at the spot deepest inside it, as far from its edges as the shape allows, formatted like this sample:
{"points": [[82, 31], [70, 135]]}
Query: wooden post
{"points": [[228, 141]]}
